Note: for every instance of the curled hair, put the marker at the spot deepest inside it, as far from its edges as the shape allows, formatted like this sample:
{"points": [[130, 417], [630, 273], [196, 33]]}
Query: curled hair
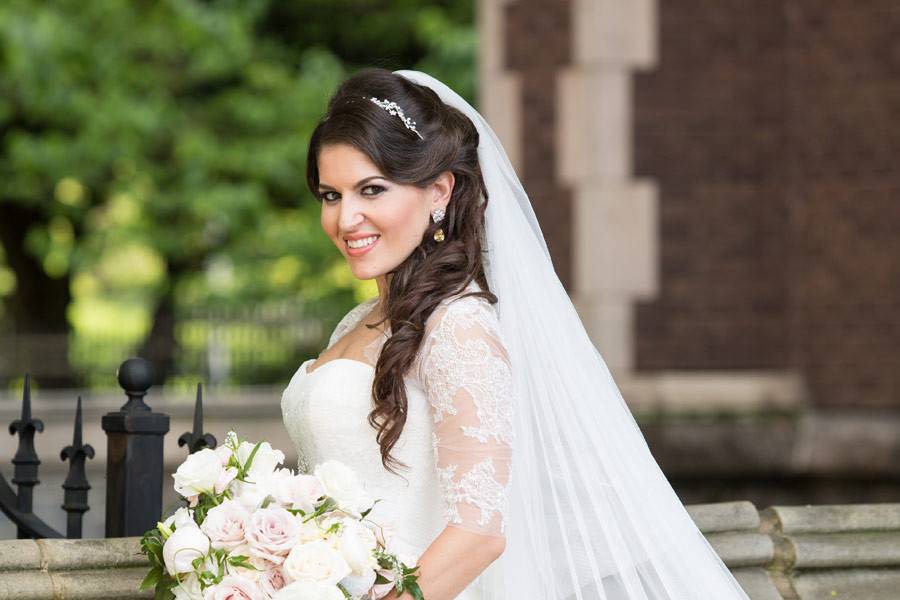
{"points": [[434, 270]]}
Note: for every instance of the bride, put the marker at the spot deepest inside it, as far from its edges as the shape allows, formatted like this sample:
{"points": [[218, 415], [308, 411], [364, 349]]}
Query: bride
{"points": [[467, 394]]}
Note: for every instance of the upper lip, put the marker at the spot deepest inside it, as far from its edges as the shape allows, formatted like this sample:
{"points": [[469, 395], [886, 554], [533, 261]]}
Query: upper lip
{"points": [[358, 236]]}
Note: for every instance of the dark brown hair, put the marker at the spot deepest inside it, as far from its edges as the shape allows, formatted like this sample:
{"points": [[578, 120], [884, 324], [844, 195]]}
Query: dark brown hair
{"points": [[434, 270]]}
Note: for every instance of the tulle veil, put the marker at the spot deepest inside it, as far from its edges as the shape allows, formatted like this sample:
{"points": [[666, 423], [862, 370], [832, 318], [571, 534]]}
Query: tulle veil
{"points": [[591, 515]]}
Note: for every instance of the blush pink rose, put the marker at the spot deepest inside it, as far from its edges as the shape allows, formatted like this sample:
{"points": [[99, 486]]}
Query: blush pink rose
{"points": [[272, 533], [271, 581], [226, 524], [299, 492], [234, 588]]}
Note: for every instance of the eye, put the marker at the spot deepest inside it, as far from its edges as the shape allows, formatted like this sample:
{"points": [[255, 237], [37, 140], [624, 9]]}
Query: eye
{"points": [[324, 196], [378, 189]]}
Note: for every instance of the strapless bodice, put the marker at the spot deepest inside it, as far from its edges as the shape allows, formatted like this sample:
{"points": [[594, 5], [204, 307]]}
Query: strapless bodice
{"points": [[325, 413]]}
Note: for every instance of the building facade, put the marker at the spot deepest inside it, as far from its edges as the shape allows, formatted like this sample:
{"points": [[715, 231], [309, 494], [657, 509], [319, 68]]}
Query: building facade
{"points": [[717, 187]]}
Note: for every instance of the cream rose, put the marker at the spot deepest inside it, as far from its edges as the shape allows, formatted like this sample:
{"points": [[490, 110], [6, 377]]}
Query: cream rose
{"points": [[308, 590], [342, 484], [356, 544], [315, 561]]}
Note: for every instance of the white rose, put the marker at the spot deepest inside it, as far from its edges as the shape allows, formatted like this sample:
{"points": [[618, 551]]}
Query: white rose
{"points": [[224, 453], [359, 585], [188, 588], [250, 495], [198, 473], [308, 590], [183, 516], [264, 461], [356, 544], [342, 484], [315, 561], [182, 547], [226, 524]]}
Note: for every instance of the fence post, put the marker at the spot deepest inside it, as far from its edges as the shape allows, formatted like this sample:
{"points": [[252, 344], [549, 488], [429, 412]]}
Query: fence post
{"points": [[134, 464]]}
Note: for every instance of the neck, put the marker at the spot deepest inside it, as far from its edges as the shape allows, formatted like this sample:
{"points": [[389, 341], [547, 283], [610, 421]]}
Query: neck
{"points": [[383, 282]]}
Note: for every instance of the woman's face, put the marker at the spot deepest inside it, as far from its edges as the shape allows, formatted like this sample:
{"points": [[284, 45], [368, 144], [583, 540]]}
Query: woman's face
{"points": [[358, 202]]}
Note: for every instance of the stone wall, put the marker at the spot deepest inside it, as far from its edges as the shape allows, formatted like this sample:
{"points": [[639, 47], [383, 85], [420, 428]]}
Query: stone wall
{"points": [[780, 553]]}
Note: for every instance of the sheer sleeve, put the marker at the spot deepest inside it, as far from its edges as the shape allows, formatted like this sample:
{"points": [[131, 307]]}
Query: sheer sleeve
{"points": [[465, 372]]}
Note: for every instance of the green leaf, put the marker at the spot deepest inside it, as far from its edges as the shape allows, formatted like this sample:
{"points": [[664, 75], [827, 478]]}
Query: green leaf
{"points": [[151, 579], [326, 506], [415, 591], [246, 467], [164, 589], [241, 561]]}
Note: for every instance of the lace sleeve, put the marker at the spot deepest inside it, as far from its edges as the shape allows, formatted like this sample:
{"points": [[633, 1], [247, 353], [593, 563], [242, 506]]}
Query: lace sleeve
{"points": [[465, 372]]}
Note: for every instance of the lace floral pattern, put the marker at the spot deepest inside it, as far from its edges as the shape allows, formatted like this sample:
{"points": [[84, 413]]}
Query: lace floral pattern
{"points": [[464, 368]]}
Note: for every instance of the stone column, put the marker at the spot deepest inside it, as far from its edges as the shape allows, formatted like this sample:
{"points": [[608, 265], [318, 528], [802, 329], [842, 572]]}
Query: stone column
{"points": [[614, 223]]}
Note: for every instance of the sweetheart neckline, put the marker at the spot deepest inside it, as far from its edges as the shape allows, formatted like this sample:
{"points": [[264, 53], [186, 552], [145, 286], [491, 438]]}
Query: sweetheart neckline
{"points": [[307, 372]]}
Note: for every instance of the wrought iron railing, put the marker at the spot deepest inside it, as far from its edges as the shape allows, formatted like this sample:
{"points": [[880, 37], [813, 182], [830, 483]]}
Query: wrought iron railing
{"points": [[134, 463]]}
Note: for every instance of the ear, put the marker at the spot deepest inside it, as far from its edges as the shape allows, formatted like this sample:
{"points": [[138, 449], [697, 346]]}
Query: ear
{"points": [[441, 190]]}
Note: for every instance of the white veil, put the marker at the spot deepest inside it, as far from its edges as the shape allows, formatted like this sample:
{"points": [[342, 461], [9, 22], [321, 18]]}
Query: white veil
{"points": [[591, 516]]}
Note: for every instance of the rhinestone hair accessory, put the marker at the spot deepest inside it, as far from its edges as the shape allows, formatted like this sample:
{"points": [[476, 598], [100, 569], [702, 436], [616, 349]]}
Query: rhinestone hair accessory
{"points": [[394, 109]]}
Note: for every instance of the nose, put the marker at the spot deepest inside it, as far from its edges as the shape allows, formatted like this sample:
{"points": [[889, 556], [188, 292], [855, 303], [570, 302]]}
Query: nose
{"points": [[350, 216]]}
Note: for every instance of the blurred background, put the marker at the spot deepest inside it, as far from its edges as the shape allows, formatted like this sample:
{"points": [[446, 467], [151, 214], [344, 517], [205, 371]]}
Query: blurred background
{"points": [[716, 182]]}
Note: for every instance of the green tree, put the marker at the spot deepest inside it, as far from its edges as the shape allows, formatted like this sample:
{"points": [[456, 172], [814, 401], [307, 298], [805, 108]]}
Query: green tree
{"points": [[173, 134]]}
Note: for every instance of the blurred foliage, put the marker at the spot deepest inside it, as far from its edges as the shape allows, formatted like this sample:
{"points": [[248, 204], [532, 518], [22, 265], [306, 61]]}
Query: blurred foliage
{"points": [[157, 153]]}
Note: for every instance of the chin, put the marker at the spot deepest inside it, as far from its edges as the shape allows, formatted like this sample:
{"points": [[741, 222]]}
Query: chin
{"points": [[364, 273]]}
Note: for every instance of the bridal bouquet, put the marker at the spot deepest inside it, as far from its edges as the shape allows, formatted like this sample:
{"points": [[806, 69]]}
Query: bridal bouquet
{"points": [[252, 531]]}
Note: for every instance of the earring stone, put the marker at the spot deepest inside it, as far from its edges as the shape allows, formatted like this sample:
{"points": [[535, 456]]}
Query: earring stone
{"points": [[437, 215]]}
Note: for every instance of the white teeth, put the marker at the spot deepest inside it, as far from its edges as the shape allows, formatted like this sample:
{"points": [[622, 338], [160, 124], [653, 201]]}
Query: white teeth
{"points": [[363, 242]]}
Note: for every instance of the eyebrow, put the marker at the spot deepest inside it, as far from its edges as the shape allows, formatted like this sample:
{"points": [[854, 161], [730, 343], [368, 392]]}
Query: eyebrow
{"points": [[358, 183]]}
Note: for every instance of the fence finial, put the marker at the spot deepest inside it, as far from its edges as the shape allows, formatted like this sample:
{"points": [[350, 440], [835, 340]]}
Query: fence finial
{"points": [[196, 439]]}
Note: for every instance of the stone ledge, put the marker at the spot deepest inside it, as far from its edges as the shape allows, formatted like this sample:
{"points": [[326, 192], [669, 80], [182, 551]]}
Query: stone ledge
{"points": [[779, 553]]}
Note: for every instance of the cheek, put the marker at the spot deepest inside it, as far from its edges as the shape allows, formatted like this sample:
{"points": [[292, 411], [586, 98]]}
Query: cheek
{"points": [[406, 222], [328, 220]]}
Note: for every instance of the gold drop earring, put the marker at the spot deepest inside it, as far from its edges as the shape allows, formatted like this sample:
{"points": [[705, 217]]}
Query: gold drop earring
{"points": [[436, 216]]}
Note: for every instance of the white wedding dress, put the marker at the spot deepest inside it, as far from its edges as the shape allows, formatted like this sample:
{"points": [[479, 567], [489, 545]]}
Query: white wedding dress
{"points": [[457, 440]]}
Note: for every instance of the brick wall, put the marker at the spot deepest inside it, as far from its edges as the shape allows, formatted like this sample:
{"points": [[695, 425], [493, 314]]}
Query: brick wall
{"points": [[772, 129]]}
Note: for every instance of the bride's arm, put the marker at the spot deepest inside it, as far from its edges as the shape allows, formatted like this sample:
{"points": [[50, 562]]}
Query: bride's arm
{"points": [[452, 561], [466, 374]]}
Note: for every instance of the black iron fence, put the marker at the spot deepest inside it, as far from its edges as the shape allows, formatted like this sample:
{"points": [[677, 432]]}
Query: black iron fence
{"points": [[134, 464]]}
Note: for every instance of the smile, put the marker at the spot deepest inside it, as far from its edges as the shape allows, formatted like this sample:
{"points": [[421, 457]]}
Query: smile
{"points": [[359, 247]]}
